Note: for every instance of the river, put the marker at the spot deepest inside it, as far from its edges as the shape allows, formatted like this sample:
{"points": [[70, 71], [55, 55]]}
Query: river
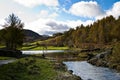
{"points": [[83, 69], [6, 61], [89, 72], [41, 51]]}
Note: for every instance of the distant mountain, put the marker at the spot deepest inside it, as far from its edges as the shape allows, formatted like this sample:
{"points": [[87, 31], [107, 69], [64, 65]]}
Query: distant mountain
{"points": [[33, 36]]}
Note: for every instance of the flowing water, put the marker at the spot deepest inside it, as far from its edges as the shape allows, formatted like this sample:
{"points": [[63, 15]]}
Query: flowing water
{"points": [[89, 72]]}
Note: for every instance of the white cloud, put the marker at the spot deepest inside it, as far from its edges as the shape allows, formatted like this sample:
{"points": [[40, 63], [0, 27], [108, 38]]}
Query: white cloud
{"points": [[47, 14], [57, 26], [50, 26], [53, 15], [45, 26], [22, 12], [33, 3], [86, 9], [2, 21], [74, 24], [38, 21], [115, 11], [43, 13], [92, 10]]}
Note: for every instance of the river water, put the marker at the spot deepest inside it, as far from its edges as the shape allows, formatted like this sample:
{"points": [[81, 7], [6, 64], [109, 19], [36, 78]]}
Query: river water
{"points": [[89, 72], [6, 61], [41, 51]]}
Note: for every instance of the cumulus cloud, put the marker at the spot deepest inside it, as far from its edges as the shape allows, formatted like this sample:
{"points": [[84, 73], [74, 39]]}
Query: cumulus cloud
{"points": [[53, 15], [46, 22], [56, 26], [47, 14], [86, 9], [74, 24], [92, 9], [22, 12], [33, 3], [2, 21], [49, 26], [115, 11], [43, 13]]}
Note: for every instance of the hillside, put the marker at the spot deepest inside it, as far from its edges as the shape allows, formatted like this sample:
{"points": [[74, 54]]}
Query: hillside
{"points": [[33, 36], [101, 32]]}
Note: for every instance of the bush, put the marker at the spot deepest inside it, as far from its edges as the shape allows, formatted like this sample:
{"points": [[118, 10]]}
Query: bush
{"points": [[115, 58]]}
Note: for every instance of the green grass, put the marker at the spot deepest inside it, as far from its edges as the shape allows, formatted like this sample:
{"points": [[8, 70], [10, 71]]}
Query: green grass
{"points": [[114, 59], [6, 58], [2, 46], [28, 69], [41, 48]]}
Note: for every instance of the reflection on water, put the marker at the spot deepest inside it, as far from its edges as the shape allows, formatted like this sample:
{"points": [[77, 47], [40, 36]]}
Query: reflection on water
{"points": [[89, 72], [41, 51]]}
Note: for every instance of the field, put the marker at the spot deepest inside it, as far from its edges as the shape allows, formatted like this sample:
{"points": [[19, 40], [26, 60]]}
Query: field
{"points": [[6, 58]]}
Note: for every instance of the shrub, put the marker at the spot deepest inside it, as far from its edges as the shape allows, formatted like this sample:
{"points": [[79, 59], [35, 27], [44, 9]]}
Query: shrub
{"points": [[115, 58]]}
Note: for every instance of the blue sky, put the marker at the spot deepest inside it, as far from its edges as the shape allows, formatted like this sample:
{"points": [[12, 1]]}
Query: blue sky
{"points": [[51, 16]]}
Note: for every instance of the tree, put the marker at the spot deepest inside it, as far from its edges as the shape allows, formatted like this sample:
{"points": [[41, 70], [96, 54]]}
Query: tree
{"points": [[57, 34], [12, 33], [101, 32]]}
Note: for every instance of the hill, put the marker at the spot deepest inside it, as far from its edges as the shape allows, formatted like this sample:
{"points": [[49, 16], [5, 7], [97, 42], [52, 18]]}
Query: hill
{"points": [[33, 36], [102, 32]]}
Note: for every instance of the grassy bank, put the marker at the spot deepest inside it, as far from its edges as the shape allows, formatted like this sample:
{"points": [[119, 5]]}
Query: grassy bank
{"points": [[35, 68], [41, 48], [28, 69], [114, 58], [2, 46], [6, 58]]}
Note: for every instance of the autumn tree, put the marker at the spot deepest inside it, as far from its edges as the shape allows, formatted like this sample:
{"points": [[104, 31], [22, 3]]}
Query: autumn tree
{"points": [[101, 32]]}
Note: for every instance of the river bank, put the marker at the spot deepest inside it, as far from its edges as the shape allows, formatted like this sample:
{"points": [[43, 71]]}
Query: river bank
{"points": [[35, 68], [51, 67], [109, 58]]}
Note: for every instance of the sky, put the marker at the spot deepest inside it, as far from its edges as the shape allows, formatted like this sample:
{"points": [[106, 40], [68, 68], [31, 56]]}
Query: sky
{"points": [[47, 17]]}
